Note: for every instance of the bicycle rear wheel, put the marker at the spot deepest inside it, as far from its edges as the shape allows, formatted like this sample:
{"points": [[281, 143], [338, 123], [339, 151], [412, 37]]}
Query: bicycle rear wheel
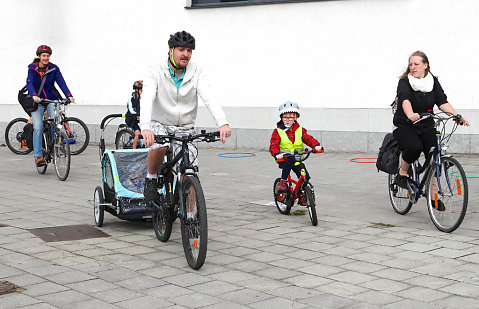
{"points": [[13, 136], [283, 202], [124, 139], [162, 223], [45, 138], [311, 204], [447, 183], [400, 198], [194, 225], [78, 134], [61, 155]]}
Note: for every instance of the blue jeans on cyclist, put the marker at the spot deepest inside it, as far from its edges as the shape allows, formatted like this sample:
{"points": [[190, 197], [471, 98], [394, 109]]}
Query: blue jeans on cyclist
{"points": [[37, 117]]}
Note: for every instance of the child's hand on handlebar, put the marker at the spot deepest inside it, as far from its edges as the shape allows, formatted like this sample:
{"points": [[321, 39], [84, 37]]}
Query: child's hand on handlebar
{"points": [[279, 157], [318, 149]]}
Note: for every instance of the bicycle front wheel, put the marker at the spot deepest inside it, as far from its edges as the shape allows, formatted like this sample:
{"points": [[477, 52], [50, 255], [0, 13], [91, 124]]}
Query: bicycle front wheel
{"points": [[78, 134], [124, 139], [447, 194], [194, 225], [311, 204], [61, 155], [13, 136]]}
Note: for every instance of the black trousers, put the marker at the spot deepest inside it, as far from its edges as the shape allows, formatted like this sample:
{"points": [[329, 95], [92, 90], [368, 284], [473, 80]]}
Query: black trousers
{"points": [[288, 165], [414, 141]]}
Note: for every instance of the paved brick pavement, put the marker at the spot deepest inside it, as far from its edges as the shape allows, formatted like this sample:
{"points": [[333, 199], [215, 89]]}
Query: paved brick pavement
{"points": [[257, 258]]}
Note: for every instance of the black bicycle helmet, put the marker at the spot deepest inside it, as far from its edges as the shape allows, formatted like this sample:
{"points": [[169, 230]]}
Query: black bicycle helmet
{"points": [[44, 49], [183, 39], [138, 84]]}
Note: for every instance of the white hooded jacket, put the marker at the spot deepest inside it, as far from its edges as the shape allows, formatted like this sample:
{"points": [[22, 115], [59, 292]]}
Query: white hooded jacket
{"points": [[163, 102]]}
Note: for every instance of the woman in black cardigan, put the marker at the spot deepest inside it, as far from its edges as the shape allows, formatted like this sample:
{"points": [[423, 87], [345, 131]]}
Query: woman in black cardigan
{"points": [[418, 91]]}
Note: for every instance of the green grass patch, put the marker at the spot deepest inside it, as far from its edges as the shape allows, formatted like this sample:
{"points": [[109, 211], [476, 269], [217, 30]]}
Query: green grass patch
{"points": [[380, 224], [299, 212]]}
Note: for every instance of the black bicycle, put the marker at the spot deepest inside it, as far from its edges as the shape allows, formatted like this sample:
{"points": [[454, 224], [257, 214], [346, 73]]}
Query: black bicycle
{"points": [[76, 130], [55, 146], [181, 196], [444, 181]]}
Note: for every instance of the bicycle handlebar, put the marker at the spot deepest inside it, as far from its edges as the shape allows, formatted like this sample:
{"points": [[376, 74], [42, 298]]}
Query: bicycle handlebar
{"points": [[207, 137], [61, 101], [457, 118], [305, 151]]}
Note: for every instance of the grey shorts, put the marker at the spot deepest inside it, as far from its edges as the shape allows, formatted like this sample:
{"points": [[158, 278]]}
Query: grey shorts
{"points": [[161, 129]]}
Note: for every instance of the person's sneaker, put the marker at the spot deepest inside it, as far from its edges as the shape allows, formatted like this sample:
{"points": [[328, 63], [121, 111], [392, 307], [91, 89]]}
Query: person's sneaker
{"points": [[402, 181], [303, 200], [150, 191], [440, 205], [39, 161]]}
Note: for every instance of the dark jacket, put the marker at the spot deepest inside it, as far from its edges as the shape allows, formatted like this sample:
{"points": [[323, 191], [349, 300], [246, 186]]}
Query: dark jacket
{"points": [[52, 75], [275, 139], [421, 102]]}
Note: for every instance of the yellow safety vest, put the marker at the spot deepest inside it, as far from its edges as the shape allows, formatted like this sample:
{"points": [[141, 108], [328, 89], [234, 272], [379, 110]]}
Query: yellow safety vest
{"points": [[286, 146]]}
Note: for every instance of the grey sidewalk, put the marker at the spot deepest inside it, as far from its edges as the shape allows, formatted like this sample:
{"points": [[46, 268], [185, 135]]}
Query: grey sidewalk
{"points": [[257, 258]]}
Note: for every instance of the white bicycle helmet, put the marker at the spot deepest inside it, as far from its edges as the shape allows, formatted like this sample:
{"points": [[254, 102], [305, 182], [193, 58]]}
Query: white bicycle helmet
{"points": [[288, 107]]}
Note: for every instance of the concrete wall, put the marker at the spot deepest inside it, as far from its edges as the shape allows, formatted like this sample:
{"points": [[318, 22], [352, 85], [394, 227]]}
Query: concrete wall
{"points": [[340, 60]]}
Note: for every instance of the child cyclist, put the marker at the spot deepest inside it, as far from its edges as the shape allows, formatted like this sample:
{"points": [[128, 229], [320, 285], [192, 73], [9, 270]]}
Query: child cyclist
{"points": [[133, 112], [288, 137]]}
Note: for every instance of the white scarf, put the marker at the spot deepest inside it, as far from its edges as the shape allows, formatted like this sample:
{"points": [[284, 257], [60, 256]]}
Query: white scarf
{"points": [[421, 84]]}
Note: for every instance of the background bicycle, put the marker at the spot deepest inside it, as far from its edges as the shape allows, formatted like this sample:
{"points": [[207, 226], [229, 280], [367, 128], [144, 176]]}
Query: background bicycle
{"points": [[76, 130], [55, 146], [301, 188], [444, 182], [181, 196]]}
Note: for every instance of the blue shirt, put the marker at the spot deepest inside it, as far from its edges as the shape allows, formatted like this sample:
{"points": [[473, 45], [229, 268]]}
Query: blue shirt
{"points": [[177, 80]]}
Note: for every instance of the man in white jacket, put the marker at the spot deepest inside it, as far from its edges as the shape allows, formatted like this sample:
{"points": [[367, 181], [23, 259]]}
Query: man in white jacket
{"points": [[170, 103]]}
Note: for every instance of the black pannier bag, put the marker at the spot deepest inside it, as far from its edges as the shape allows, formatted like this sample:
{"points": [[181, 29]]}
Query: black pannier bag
{"points": [[388, 156], [27, 135]]}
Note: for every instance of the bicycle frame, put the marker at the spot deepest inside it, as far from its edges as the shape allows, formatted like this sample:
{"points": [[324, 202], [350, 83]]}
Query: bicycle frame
{"points": [[50, 127]]}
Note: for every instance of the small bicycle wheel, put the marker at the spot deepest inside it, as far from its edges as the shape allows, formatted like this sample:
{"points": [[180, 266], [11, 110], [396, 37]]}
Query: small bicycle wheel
{"points": [[311, 204], [42, 169], [162, 224], [194, 225], [124, 139], [13, 136], [447, 194], [78, 134], [98, 207], [61, 155], [400, 198], [284, 201]]}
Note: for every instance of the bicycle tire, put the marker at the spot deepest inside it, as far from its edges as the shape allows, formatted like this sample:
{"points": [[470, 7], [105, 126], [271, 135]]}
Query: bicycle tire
{"points": [[61, 155], [453, 191], [311, 205], [78, 134], [284, 206], [162, 224], [42, 169], [98, 207], [13, 139], [124, 139], [400, 198], [194, 225]]}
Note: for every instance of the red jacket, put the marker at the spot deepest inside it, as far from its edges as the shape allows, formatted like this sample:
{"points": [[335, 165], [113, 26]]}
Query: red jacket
{"points": [[275, 139]]}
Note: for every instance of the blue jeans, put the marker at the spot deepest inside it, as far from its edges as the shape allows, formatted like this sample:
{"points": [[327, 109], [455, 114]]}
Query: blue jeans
{"points": [[37, 117]]}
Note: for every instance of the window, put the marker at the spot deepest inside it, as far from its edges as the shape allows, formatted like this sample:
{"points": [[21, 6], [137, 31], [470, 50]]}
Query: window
{"points": [[225, 3]]}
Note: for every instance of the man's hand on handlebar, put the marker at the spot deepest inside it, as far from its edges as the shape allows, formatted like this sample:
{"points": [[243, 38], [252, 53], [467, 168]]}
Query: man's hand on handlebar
{"points": [[148, 137], [225, 132], [461, 120]]}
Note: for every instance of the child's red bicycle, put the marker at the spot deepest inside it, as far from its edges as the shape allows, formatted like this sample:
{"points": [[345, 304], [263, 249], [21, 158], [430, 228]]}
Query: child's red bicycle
{"points": [[300, 189]]}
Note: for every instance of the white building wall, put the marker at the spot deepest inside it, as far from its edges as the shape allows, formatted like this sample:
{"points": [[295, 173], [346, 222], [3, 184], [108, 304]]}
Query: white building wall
{"points": [[335, 58]]}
